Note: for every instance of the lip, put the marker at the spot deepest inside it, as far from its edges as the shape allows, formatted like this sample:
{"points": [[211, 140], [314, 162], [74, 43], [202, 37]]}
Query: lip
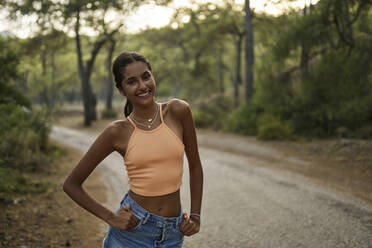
{"points": [[149, 92]]}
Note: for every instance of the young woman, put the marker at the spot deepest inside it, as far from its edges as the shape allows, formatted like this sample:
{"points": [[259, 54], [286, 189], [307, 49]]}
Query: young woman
{"points": [[152, 140]]}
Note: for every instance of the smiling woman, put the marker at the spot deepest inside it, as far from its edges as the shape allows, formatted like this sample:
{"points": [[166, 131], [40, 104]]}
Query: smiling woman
{"points": [[152, 139]]}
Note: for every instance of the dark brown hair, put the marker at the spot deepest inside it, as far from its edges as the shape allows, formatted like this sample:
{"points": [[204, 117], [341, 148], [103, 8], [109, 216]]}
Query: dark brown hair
{"points": [[118, 68]]}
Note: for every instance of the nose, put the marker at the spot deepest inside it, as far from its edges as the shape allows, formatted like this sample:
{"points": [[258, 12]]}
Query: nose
{"points": [[142, 84]]}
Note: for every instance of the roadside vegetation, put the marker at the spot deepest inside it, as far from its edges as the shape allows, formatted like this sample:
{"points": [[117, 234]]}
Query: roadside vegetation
{"points": [[34, 212], [24, 146]]}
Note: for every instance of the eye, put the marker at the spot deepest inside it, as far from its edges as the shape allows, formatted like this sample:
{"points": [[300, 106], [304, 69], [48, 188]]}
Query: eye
{"points": [[146, 75], [132, 81]]}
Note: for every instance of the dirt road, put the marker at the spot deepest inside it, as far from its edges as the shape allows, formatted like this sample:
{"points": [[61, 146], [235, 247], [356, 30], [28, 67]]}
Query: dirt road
{"points": [[248, 204]]}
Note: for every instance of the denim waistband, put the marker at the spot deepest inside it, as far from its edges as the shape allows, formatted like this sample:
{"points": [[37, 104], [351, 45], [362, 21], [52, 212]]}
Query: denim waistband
{"points": [[144, 215]]}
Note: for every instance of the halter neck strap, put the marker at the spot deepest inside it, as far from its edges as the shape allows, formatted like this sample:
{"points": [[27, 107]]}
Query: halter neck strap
{"points": [[134, 125], [161, 112]]}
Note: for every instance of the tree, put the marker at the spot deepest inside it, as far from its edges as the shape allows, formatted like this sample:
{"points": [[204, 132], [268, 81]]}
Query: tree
{"points": [[320, 79], [45, 46], [9, 61], [75, 14], [249, 53], [109, 81], [231, 22]]}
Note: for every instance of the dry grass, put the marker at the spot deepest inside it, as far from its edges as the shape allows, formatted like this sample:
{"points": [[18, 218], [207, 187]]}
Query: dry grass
{"points": [[53, 220]]}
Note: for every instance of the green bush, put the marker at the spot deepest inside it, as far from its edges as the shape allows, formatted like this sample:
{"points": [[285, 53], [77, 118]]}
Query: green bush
{"points": [[201, 119], [271, 128], [243, 120], [12, 181], [109, 114], [23, 137], [213, 114]]}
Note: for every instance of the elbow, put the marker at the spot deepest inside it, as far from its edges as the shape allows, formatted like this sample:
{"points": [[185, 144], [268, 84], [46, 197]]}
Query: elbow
{"points": [[66, 187], [69, 186]]}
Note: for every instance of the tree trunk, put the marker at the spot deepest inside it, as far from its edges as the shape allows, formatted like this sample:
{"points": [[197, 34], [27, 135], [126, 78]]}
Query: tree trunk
{"points": [[249, 53], [199, 50], [236, 90], [85, 87], [220, 70], [89, 99], [237, 75], [305, 57], [44, 95], [53, 95], [109, 81], [239, 42]]}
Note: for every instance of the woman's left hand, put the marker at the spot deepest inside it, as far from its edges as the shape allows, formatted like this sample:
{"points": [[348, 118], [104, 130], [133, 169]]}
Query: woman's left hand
{"points": [[190, 226]]}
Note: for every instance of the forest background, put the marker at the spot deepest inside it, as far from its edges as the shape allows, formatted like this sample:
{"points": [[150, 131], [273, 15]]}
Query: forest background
{"points": [[311, 66]]}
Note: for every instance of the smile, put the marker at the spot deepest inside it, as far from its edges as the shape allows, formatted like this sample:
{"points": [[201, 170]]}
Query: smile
{"points": [[144, 94]]}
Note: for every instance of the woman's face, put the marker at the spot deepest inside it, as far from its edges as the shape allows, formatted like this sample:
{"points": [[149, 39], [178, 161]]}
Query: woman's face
{"points": [[138, 84]]}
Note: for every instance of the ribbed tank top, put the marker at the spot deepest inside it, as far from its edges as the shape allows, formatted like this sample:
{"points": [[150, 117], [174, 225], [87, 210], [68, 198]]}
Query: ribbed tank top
{"points": [[154, 160]]}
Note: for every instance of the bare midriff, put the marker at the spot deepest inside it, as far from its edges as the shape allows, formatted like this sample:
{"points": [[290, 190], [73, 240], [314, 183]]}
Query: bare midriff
{"points": [[165, 205]]}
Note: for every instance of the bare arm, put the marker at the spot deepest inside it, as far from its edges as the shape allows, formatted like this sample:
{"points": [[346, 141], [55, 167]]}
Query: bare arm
{"points": [[195, 167], [183, 112], [100, 149]]}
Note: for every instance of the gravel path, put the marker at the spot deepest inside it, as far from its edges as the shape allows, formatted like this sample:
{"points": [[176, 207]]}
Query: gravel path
{"points": [[246, 204]]}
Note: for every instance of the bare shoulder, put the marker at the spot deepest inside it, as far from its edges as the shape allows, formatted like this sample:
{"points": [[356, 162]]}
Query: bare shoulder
{"points": [[178, 107], [117, 129]]}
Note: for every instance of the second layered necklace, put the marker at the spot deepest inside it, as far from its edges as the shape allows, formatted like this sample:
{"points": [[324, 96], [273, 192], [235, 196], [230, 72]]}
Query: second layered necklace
{"points": [[151, 120]]}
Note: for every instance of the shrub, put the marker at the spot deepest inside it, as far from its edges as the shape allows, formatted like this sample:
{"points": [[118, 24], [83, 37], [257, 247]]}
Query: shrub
{"points": [[109, 114], [201, 119], [271, 128], [213, 114], [23, 137], [243, 120], [12, 181]]}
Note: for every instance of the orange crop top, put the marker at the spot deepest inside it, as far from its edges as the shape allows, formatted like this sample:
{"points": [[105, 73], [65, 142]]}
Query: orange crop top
{"points": [[154, 160]]}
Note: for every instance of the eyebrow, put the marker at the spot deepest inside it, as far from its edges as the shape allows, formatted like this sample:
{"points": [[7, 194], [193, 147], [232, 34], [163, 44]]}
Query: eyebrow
{"points": [[135, 77]]}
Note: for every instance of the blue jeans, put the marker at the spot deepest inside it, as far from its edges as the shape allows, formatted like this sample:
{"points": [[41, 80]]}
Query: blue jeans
{"points": [[152, 230]]}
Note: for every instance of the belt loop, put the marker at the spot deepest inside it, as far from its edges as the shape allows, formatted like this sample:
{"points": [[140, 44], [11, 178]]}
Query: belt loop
{"points": [[179, 219], [146, 217]]}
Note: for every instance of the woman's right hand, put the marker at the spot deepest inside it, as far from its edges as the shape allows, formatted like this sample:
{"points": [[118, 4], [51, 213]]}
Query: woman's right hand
{"points": [[124, 219]]}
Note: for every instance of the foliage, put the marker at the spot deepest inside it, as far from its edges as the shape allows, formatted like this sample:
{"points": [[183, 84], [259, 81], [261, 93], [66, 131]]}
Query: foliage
{"points": [[339, 98], [213, 113], [23, 137], [271, 128], [318, 79], [312, 66], [243, 120], [8, 70], [13, 181], [23, 134]]}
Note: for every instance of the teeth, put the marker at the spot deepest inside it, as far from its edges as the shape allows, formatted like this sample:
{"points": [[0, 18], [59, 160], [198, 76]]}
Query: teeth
{"points": [[144, 94]]}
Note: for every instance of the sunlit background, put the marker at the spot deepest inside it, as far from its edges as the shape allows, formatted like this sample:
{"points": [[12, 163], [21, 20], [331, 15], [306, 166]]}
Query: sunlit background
{"points": [[150, 15]]}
